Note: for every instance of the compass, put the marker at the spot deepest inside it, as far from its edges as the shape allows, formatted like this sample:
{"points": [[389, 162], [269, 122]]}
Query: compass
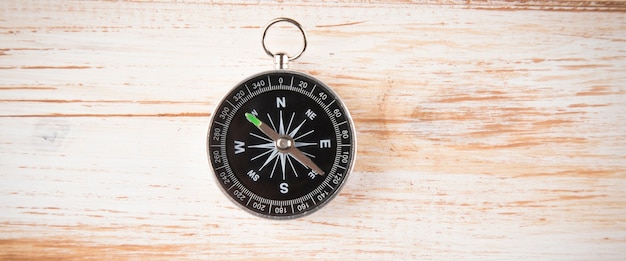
{"points": [[281, 143]]}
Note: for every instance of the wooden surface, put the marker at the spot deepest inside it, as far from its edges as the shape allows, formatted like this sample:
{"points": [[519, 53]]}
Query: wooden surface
{"points": [[486, 130]]}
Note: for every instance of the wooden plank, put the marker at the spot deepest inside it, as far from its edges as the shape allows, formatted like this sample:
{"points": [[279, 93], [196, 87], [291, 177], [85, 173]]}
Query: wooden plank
{"points": [[486, 129]]}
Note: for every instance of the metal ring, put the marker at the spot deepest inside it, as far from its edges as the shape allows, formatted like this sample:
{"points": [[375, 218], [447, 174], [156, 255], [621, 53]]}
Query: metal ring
{"points": [[291, 21]]}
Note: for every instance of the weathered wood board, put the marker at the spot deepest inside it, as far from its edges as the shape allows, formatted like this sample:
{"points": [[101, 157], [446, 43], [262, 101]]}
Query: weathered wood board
{"points": [[486, 130]]}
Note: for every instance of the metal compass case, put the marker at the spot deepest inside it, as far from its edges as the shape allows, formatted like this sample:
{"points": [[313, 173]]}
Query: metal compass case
{"points": [[281, 143]]}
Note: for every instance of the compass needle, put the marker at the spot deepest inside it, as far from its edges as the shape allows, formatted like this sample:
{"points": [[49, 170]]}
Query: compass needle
{"points": [[267, 123], [269, 132], [291, 148], [298, 155], [253, 119]]}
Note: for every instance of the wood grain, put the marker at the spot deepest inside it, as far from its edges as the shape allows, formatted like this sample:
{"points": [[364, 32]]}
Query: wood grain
{"points": [[486, 129]]}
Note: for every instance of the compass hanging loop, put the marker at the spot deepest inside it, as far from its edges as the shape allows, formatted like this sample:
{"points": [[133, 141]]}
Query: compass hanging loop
{"points": [[282, 58]]}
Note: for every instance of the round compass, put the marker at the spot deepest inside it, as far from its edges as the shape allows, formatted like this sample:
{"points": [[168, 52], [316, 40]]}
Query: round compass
{"points": [[281, 143]]}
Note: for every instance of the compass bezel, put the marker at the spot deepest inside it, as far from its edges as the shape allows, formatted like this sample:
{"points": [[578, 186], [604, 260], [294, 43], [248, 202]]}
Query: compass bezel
{"points": [[234, 101]]}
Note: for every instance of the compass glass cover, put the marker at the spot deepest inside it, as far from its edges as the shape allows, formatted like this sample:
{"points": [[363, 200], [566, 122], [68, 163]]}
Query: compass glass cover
{"points": [[261, 172]]}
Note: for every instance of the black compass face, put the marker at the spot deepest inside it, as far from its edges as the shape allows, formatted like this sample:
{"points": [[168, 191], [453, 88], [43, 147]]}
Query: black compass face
{"points": [[281, 144]]}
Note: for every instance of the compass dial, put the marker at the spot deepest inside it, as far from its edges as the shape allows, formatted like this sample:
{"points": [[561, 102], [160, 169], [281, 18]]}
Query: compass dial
{"points": [[281, 144]]}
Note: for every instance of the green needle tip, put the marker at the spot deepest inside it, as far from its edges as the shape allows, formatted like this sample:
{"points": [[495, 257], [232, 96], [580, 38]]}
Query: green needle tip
{"points": [[253, 119]]}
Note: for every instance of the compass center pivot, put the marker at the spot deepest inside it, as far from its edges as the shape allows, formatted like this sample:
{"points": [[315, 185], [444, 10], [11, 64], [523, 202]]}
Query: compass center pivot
{"points": [[284, 143]]}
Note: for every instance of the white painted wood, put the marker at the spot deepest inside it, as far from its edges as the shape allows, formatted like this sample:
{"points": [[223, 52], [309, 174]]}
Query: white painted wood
{"points": [[489, 130]]}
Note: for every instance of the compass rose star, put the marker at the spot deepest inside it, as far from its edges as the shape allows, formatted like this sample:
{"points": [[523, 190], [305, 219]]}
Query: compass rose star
{"points": [[285, 155]]}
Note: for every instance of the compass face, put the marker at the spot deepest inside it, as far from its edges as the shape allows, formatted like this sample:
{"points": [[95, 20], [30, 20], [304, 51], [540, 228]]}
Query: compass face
{"points": [[281, 144]]}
